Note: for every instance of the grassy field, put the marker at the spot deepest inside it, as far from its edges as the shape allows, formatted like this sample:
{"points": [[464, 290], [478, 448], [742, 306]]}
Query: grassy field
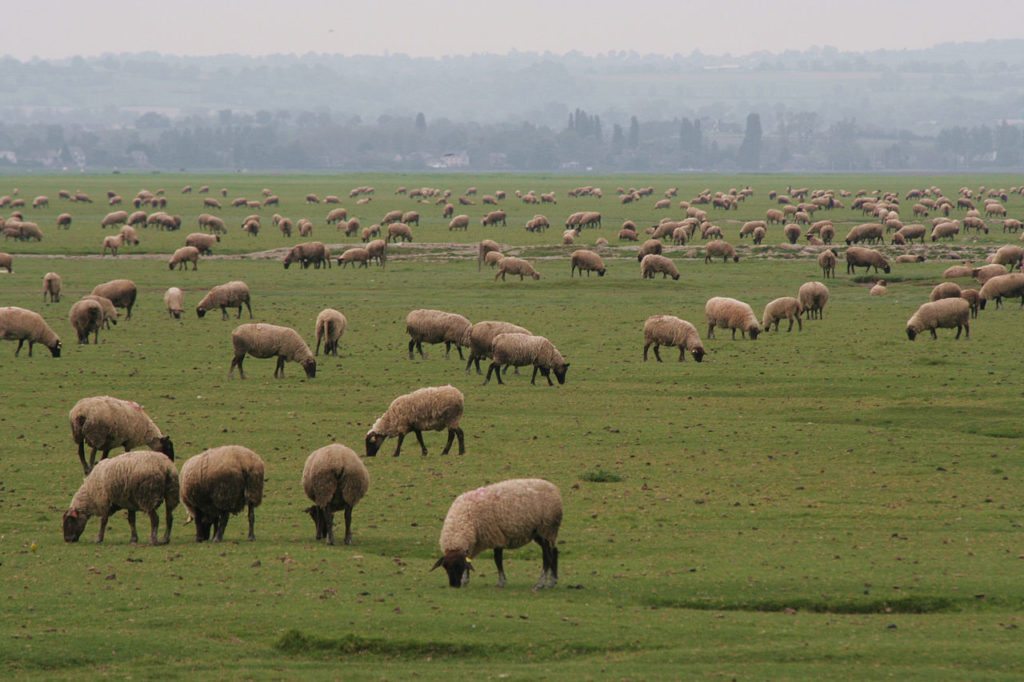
{"points": [[834, 503]]}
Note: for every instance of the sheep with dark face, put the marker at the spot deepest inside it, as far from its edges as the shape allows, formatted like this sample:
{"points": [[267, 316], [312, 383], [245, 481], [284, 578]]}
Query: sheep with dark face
{"points": [[21, 325], [520, 350], [427, 409], [335, 479], [104, 423], [220, 482], [270, 341], [667, 330]]}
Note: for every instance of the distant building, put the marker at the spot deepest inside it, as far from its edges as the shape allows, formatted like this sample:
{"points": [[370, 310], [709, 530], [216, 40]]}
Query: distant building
{"points": [[455, 160]]}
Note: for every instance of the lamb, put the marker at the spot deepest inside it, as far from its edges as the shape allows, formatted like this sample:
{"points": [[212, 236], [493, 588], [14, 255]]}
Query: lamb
{"points": [[137, 481], [308, 253], [432, 409], [813, 297], [105, 423], [182, 257], [354, 255], [878, 289], [729, 313], [174, 299], [21, 325], [1000, 287], [86, 317], [503, 515], [1009, 255], [202, 241], [858, 256], [945, 290], [666, 330], [263, 340], [335, 479], [226, 296], [945, 314], [51, 286], [784, 308], [220, 482], [112, 243], [436, 326], [717, 248], [330, 325], [399, 231], [486, 246], [480, 337], [654, 263], [586, 260], [519, 350], [827, 260], [648, 247], [515, 266]]}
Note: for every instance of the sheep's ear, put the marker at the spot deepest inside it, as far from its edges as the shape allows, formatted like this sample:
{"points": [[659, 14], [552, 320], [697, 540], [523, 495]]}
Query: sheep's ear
{"points": [[437, 563], [73, 514]]}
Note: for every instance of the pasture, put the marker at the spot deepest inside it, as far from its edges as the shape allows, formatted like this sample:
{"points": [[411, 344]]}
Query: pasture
{"points": [[832, 503]]}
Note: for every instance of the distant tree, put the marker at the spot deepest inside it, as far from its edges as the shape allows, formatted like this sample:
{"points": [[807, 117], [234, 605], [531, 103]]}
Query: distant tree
{"points": [[151, 120], [634, 133], [749, 155], [618, 139], [691, 143], [421, 123]]}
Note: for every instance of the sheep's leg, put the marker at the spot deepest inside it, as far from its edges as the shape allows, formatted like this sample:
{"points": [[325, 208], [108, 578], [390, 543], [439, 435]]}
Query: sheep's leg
{"points": [[552, 564], [657, 352], [237, 362], [412, 345], [542, 581], [348, 526], [81, 456], [168, 522], [103, 528], [131, 524], [398, 449], [790, 325], [547, 375], [498, 562], [682, 352], [533, 377], [319, 338], [734, 333], [96, 336], [459, 348], [799, 324], [419, 347], [224, 312], [252, 521], [646, 346], [490, 371], [469, 362], [154, 526], [419, 437], [711, 331], [21, 342], [935, 334], [279, 371], [451, 439], [476, 362]]}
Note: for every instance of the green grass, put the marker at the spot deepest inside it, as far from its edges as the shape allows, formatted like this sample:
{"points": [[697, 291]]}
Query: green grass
{"points": [[835, 503]]}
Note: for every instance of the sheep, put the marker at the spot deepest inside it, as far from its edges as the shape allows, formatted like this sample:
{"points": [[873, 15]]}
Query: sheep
{"points": [[370, 232], [28, 231], [64, 220], [648, 247], [330, 325], [215, 225], [717, 248], [486, 246], [773, 215], [21, 325], [210, 202], [480, 337], [1009, 255], [432, 409], [226, 296], [104, 423], [654, 263], [515, 266], [129, 235], [86, 317], [586, 260], [40, 202], [121, 292], [305, 227], [957, 271], [813, 297], [378, 250], [827, 260], [334, 478], [109, 311], [784, 308], [627, 235], [354, 255], [391, 217], [945, 314], [220, 482], [174, 300], [945, 290], [312, 199], [791, 232], [666, 330], [399, 231], [987, 272], [493, 218], [729, 313], [436, 326], [1012, 225], [519, 350], [308, 253], [411, 218], [878, 289], [492, 258], [137, 481], [51, 285], [858, 256], [202, 241], [336, 215], [261, 340], [908, 233], [285, 225], [500, 516], [751, 225], [973, 297], [1000, 287], [114, 219], [112, 243], [182, 257], [866, 232]]}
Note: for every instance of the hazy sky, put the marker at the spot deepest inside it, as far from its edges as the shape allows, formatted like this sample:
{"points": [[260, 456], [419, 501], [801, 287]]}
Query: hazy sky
{"points": [[61, 28]]}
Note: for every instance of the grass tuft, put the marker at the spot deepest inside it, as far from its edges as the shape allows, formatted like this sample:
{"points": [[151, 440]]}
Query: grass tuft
{"points": [[601, 476], [921, 604]]}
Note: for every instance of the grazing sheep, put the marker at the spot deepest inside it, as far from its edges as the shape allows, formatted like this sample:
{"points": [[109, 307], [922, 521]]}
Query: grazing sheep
{"points": [[202, 241], [391, 217], [210, 202], [628, 235], [114, 219], [651, 246], [109, 311], [999, 287], [64, 220], [336, 215], [910, 258], [330, 325], [305, 227], [174, 300], [399, 232], [945, 314], [492, 258], [654, 263], [431, 409], [667, 330], [411, 218], [520, 350], [866, 232], [308, 253], [226, 296], [945, 231], [136, 481], [1009, 255], [335, 479], [112, 243], [813, 297], [1012, 225], [486, 246], [378, 250], [504, 515], [729, 313], [721, 248], [908, 233], [586, 260], [878, 289], [515, 266], [436, 326], [220, 482], [957, 271], [261, 340], [105, 423], [973, 297], [355, 255], [459, 222], [784, 308], [751, 225], [493, 218], [51, 285], [827, 260], [858, 256], [987, 272], [945, 290], [791, 232], [86, 317], [182, 257], [21, 325], [480, 337], [129, 235]]}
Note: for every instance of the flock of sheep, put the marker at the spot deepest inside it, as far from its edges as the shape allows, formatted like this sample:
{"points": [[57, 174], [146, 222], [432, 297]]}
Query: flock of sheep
{"points": [[225, 480]]}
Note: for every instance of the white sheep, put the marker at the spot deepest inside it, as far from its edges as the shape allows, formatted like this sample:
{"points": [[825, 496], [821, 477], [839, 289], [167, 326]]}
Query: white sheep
{"points": [[21, 325], [261, 340], [729, 313], [335, 479], [667, 330], [716, 248], [431, 409], [330, 325], [784, 308], [945, 314], [182, 257], [505, 515], [436, 326], [220, 482], [480, 337], [945, 290], [654, 263], [226, 296], [51, 287], [121, 292], [109, 311], [136, 481], [174, 300], [519, 350], [104, 423], [813, 297], [878, 289], [86, 317], [1002, 286], [584, 259], [515, 266]]}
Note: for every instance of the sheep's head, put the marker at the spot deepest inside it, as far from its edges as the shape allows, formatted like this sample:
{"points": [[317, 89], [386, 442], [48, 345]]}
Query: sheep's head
{"points": [[74, 524], [754, 332], [373, 443], [698, 353], [200, 311], [886, 269], [310, 366], [911, 333], [560, 372], [735, 259], [170, 265], [166, 446], [600, 273], [55, 349], [675, 277], [535, 275], [457, 565]]}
